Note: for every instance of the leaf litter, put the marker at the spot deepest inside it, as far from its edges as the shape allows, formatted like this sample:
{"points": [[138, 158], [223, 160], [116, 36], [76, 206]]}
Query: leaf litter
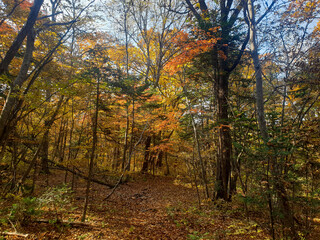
{"points": [[146, 207]]}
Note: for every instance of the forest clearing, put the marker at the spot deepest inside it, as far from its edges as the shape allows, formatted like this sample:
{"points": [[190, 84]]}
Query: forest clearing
{"points": [[160, 119]]}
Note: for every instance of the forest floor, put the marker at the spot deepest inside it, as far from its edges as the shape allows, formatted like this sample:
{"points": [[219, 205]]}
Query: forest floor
{"points": [[146, 207]]}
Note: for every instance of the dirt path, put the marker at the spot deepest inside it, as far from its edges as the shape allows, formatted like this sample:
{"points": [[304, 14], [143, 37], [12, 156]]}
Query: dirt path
{"points": [[145, 208], [142, 209]]}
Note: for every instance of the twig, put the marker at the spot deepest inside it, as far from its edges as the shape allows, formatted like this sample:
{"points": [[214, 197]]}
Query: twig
{"points": [[15, 230]]}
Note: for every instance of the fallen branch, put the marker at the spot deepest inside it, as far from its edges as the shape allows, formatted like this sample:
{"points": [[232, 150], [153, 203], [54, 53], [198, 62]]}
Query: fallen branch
{"points": [[71, 224], [14, 234], [61, 167]]}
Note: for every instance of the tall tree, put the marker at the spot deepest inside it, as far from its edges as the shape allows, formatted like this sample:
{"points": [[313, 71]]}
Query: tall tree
{"points": [[225, 56]]}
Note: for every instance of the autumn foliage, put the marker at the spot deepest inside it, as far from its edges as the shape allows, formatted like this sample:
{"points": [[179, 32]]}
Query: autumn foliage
{"points": [[162, 96]]}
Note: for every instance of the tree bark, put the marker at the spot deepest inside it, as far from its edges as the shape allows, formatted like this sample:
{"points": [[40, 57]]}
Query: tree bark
{"points": [[224, 139], [145, 164]]}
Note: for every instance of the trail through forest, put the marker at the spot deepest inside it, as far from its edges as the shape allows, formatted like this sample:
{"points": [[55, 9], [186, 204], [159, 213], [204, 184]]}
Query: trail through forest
{"points": [[146, 207], [222, 95]]}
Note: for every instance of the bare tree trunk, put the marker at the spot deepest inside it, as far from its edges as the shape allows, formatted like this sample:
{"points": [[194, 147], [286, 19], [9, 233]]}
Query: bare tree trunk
{"points": [[92, 157], [64, 141], [203, 170], [116, 158], [258, 72], [125, 146], [132, 136]]}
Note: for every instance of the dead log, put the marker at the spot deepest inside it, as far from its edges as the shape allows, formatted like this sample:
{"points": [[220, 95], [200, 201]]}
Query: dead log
{"points": [[14, 234]]}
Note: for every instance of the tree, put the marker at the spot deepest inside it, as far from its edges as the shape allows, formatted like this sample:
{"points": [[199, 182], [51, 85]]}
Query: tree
{"points": [[9, 109], [225, 56], [16, 44]]}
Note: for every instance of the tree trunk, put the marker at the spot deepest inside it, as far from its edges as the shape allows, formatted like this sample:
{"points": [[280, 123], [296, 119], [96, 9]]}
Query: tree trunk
{"points": [[45, 147], [132, 137], [167, 164], [223, 64], [45, 153], [93, 149], [125, 146], [116, 158], [258, 73], [25, 30], [159, 159], [145, 164], [196, 139], [224, 141]]}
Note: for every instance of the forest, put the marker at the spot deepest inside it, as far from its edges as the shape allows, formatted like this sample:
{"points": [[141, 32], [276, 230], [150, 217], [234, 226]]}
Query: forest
{"points": [[159, 119]]}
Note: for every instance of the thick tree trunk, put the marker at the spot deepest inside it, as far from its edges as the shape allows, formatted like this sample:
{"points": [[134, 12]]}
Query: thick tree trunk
{"points": [[145, 164], [159, 159], [224, 141]]}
